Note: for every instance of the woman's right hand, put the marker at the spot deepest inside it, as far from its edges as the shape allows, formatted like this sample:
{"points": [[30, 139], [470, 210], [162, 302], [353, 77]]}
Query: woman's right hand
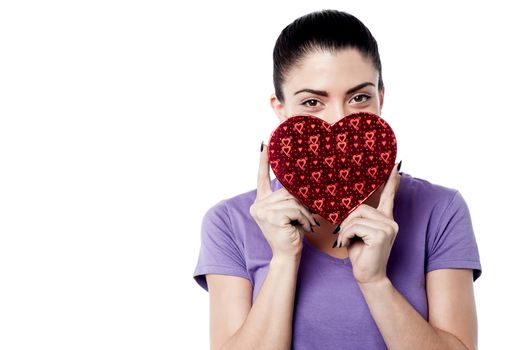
{"points": [[278, 214]]}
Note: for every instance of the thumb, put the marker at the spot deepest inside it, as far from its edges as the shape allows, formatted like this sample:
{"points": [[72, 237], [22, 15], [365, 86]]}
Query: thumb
{"points": [[386, 202]]}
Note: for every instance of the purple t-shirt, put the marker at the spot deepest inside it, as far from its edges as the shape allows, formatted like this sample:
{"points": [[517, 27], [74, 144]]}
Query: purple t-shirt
{"points": [[330, 312]]}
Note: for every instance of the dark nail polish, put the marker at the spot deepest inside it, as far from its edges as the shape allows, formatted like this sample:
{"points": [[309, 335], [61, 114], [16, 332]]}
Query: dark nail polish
{"points": [[261, 150], [334, 244], [317, 223], [336, 230], [399, 166]]}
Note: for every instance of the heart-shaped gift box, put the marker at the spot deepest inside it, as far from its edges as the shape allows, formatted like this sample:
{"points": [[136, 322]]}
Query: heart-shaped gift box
{"points": [[332, 169]]}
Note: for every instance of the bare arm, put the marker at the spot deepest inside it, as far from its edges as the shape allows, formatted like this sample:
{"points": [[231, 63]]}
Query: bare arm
{"points": [[268, 323], [452, 316], [236, 324]]}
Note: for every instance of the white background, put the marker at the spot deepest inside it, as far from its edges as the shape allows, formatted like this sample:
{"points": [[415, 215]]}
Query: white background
{"points": [[123, 121]]}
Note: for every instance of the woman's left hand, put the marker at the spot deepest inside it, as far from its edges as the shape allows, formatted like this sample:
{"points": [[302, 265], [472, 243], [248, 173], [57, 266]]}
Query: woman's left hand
{"points": [[377, 230]]}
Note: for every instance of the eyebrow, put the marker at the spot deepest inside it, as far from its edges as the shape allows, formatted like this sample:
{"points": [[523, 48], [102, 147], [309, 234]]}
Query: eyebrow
{"points": [[325, 93]]}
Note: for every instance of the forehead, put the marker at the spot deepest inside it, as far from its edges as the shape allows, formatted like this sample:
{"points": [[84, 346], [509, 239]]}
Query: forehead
{"points": [[331, 71]]}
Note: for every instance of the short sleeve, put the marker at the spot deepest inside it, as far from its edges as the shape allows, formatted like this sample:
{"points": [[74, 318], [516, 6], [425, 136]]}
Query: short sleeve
{"points": [[453, 244], [219, 252]]}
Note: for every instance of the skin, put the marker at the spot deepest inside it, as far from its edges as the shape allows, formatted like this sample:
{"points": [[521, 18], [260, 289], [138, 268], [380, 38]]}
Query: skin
{"points": [[366, 237], [334, 75]]}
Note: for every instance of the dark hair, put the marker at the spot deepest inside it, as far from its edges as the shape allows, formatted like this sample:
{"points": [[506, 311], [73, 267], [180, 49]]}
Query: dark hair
{"points": [[329, 30]]}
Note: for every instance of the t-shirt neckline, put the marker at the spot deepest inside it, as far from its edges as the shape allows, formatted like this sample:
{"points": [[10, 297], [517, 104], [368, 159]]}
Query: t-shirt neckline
{"points": [[340, 261]]}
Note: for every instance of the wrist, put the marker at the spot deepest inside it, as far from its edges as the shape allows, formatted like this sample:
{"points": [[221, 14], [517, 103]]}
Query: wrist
{"points": [[378, 284], [284, 261]]}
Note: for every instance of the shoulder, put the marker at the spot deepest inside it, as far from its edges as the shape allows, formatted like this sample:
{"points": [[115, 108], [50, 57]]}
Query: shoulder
{"points": [[443, 214], [233, 211], [440, 211], [418, 193], [237, 207]]}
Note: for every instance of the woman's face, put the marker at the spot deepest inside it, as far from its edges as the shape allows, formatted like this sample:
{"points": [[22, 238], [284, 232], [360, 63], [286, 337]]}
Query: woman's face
{"points": [[329, 79]]}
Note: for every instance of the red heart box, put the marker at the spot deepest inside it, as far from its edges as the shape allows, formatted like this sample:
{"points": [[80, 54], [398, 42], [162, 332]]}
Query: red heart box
{"points": [[332, 169]]}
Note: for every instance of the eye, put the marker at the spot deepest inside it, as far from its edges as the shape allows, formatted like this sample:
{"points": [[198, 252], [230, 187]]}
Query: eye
{"points": [[361, 98], [309, 100]]}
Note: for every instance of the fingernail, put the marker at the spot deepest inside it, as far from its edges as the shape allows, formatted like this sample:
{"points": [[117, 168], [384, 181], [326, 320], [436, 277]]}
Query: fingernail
{"points": [[317, 223], [336, 230], [334, 244], [261, 150], [340, 245], [399, 166]]}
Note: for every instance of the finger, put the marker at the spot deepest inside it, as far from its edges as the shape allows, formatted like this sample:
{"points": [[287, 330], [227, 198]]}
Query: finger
{"points": [[388, 194], [293, 203], [367, 233], [278, 196], [365, 211], [297, 204], [263, 187], [282, 194], [376, 224], [294, 214]]}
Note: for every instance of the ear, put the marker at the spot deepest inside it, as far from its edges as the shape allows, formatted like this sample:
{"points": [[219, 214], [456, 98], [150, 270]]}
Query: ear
{"points": [[278, 107]]}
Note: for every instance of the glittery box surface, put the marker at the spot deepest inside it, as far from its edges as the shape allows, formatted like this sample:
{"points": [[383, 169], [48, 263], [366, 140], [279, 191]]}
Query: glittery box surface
{"points": [[332, 169]]}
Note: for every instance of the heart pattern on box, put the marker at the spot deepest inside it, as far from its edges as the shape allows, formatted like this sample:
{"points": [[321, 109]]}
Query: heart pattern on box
{"points": [[332, 169]]}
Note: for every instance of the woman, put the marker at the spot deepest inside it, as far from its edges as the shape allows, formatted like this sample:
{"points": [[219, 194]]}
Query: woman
{"points": [[397, 273]]}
